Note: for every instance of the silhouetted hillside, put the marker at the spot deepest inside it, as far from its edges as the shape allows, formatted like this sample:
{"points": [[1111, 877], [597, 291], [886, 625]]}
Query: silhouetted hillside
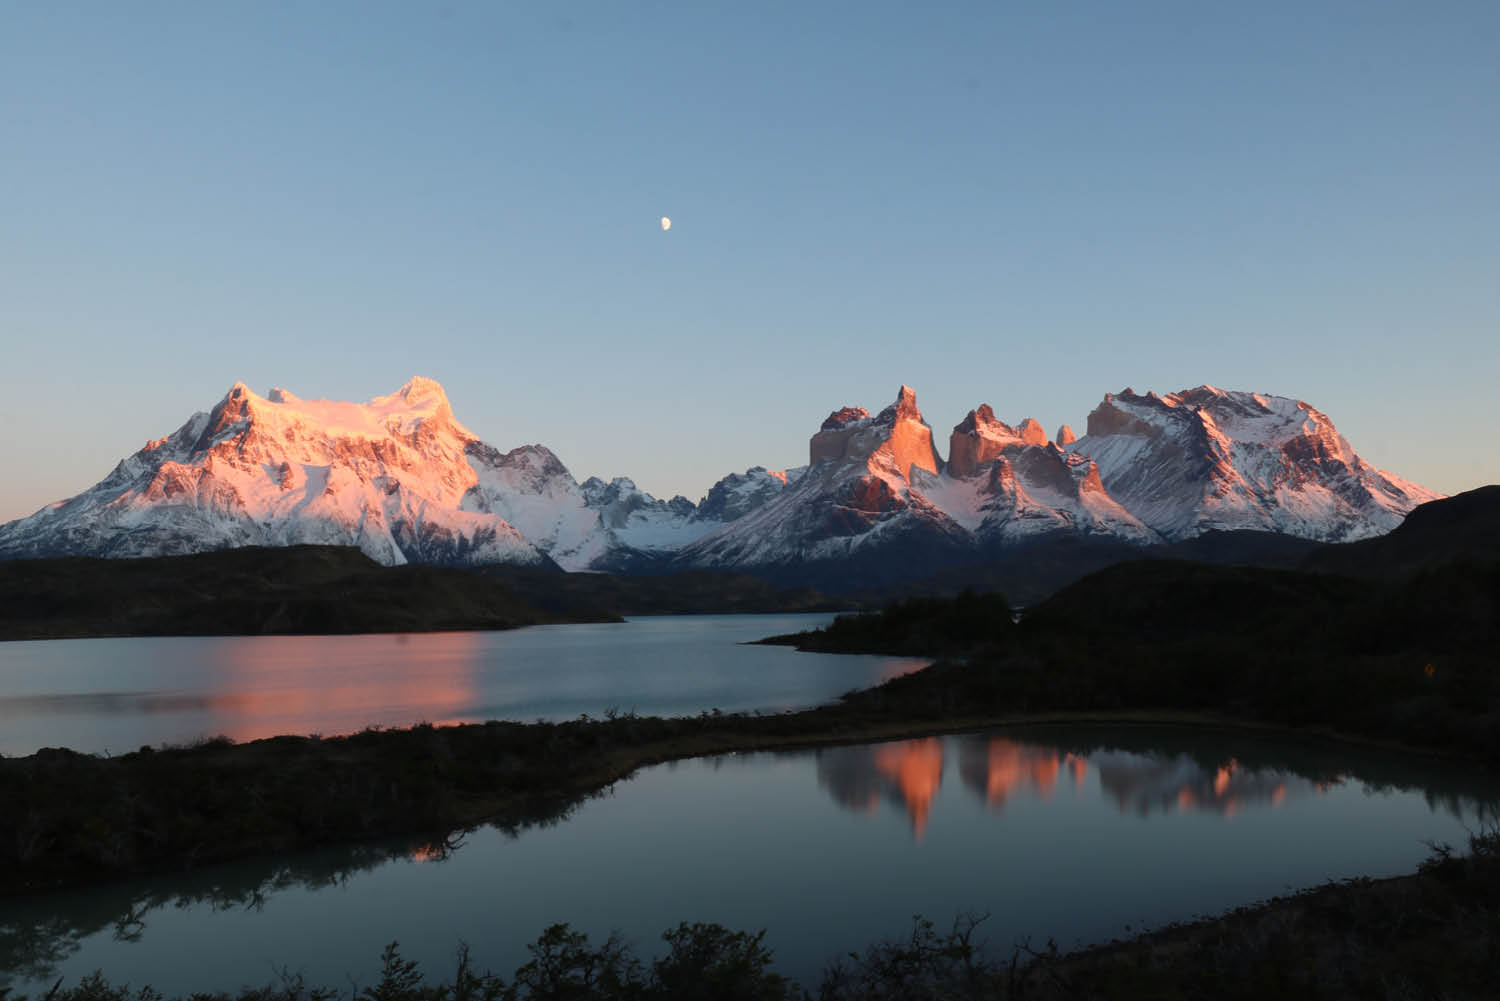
{"points": [[253, 590], [1465, 526], [1028, 574], [696, 592], [1410, 659]]}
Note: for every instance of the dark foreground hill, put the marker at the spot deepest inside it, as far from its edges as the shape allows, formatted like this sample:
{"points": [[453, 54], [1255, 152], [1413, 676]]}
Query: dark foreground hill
{"points": [[1404, 651], [1029, 573], [1464, 527], [692, 592], [337, 589], [254, 590]]}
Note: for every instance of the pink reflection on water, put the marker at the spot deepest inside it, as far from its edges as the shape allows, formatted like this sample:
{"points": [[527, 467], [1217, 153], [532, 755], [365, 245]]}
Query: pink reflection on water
{"points": [[915, 768], [908, 774], [340, 684], [998, 768]]}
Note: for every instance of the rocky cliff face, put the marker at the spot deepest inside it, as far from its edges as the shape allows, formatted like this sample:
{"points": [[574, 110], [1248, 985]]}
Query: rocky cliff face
{"points": [[980, 438], [896, 440]]}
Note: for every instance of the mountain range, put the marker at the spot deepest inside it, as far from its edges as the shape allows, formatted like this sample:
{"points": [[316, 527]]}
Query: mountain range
{"points": [[401, 479]]}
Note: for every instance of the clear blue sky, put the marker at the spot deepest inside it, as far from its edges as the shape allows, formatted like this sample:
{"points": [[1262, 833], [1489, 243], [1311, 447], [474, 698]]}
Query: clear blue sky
{"points": [[1025, 204]]}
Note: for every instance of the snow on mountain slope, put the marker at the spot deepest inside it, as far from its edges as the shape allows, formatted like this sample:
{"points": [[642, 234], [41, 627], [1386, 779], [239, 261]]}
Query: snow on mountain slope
{"points": [[1031, 491], [877, 484], [387, 476], [737, 494], [531, 488], [400, 478], [1010, 484], [640, 521], [1206, 459]]}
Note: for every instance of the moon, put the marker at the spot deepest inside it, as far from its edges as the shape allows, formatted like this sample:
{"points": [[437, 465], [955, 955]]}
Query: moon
{"points": [[666, 224]]}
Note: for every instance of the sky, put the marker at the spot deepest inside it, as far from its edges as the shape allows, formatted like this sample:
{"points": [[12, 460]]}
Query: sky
{"points": [[1021, 204]]}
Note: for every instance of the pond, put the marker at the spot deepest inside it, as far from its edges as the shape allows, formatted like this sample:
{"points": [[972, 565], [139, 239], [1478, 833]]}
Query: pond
{"points": [[1077, 834]]}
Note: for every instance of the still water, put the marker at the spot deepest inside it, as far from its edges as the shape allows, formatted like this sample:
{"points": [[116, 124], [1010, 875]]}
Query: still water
{"points": [[114, 695], [1076, 834]]}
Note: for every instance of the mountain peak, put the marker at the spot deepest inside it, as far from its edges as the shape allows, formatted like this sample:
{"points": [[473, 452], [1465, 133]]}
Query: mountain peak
{"points": [[421, 386], [896, 438], [233, 408], [982, 416], [1031, 432], [904, 408]]}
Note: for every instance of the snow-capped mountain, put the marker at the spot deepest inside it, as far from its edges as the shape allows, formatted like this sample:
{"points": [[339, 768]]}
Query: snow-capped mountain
{"points": [[388, 476], [399, 477], [640, 522], [1205, 459], [403, 480], [531, 489]]}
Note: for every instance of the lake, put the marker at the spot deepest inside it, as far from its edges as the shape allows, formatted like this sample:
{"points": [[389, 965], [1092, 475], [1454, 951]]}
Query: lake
{"points": [[1074, 833], [114, 695]]}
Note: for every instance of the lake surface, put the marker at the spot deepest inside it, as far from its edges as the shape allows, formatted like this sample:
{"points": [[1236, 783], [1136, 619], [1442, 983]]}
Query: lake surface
{"points": [[114, 695], [1077, 834]]}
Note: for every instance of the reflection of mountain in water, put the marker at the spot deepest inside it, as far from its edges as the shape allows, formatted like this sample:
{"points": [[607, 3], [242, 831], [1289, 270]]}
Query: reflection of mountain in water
{"points": [[904, 773], [1140, 770], [996, 768], [1144, 785]]}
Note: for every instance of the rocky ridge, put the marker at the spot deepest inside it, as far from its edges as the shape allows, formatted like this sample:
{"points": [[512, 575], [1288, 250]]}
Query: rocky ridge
{"points": [[400, 478]]}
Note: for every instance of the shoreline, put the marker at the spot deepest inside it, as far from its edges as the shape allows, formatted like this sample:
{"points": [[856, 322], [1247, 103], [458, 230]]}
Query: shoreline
{"points": [[612, 751]]}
